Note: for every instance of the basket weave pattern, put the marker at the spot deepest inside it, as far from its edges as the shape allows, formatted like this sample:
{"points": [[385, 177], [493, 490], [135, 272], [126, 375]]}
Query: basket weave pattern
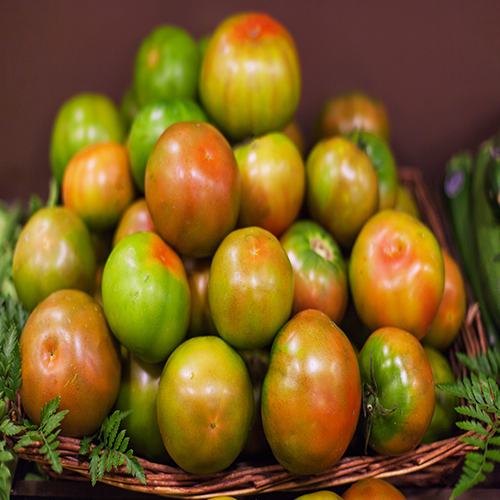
{"points": [[427, 465]]}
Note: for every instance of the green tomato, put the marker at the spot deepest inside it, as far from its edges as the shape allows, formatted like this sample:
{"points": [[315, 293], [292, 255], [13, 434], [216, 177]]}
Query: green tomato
{"points": [[151, 121], [145, 295], [445, 416], [167, 65], [82, 120]]}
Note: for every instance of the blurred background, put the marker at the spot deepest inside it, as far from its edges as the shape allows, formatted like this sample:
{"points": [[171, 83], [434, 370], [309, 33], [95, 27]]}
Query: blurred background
{"points": [[435, 65]]}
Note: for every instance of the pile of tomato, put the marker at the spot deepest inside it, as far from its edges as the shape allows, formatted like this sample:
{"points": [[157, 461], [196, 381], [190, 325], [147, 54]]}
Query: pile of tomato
{"points": [[243, 296]]}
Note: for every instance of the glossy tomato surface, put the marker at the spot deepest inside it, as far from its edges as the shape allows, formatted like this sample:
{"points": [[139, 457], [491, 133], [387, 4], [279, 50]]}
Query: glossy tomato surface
{"points": [[98, 184], [150, 122], [83, 119], [193, 188], [67, 350], [272, 182], [53, 251], [250, 80], [311, 397], [399, 395], [451, 312], [205, 405], [342, 188], [146, 297], [319, 269], [250, 291], [396, 273], [372, 488], [135, 217]]}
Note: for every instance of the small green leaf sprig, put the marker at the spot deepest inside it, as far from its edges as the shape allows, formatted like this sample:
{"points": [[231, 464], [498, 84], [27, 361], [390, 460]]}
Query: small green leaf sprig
{"points": [[482, 395]]}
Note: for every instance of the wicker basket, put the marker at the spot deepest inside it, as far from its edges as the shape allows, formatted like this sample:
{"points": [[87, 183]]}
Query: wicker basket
{"points": [[432, 464]]}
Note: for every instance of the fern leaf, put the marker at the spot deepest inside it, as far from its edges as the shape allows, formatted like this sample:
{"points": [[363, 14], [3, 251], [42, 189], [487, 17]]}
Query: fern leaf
{"points": [[472, 425], [492, 454], [473, 441], [477, 413], [135, 468]]}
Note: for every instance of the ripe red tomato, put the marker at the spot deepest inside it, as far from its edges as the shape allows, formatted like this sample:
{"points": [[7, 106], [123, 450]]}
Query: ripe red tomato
{"points": [[98, 184], [451, 312], [250, 291], [272, 182], [53, 251], [205, 405], [67, 350], [396, 273], [342, 188], [372, 488], [136, 217], [146, 297], [343, 113], [319, 269], [399, 395], [250, 80], [311, 396], [193, 188]]}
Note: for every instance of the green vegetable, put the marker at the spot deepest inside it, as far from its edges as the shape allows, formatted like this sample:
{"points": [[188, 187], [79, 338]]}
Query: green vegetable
{"points": [[492, 181], [458, 200]]}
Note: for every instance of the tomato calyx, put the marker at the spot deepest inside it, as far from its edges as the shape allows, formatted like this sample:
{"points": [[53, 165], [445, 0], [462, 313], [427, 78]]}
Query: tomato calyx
{"points": [[372, 407]]}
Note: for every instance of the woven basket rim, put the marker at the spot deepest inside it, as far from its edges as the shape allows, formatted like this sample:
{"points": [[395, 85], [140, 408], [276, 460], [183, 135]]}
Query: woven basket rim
{"points": [[428, 464]]}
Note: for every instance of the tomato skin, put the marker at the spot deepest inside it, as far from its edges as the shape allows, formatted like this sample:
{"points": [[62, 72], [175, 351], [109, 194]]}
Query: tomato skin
{"points": [[445, 416], [135, 217], [372, 488], [193, 188], [146, 297], [311, 396], [452, 309], [319, 268], [205, 405], [167, 65], [138, 391], [404, 383], [54, 251], [98, 184], [406, 202], [250, 80], [68, 350], [342, 188], [272, 182], [82, 120], [319, 495], [345, 112], [250, 291], [396, 273], [151, 121]]}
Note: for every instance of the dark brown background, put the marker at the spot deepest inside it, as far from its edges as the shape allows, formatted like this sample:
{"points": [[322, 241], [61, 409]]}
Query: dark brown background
{"points": [[435, 64]]}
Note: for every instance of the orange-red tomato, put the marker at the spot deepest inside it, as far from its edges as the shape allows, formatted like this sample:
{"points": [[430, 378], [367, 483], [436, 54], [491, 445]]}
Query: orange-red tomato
{"points": [[372, 489], [136, 217]]}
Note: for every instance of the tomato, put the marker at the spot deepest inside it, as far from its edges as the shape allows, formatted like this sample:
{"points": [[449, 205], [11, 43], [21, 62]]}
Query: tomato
{"points": [[319, 495], [250, 291], [383, 160], [138, 390], [67, 350], [205, 405], [451, 312], [372, 488], [294, 132], [198, 274], [146, 297], [129, 107], [250, 80], [311, 396], [150, 122], [82, 120], [342, 188], [348, 111], [319, 268], [396, 273], [193, 188], [272, 182], [445, 416], [406, 202], [399, 395], [54, 251], [135, 217], [98, 184], [167, 65]]}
